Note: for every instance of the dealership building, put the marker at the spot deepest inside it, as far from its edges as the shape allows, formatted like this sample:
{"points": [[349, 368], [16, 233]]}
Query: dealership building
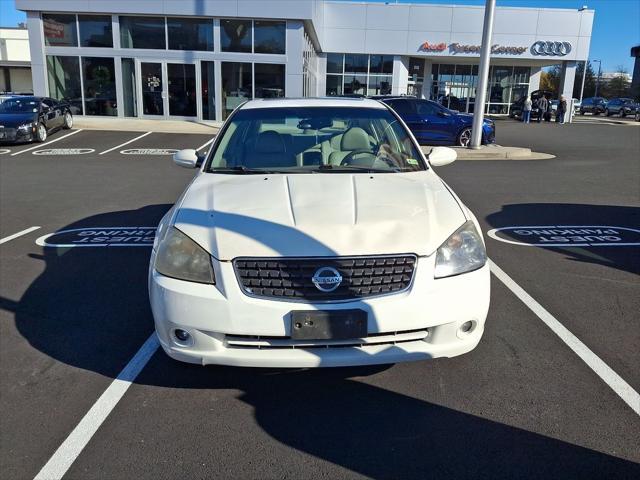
{"points": [[199, 59]]}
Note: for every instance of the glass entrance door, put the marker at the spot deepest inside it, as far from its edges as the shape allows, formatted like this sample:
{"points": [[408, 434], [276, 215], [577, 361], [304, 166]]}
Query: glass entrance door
{"points": [[181, 80], [152, 84]]}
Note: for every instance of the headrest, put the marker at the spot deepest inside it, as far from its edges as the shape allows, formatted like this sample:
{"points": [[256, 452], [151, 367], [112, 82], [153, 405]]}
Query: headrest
{"points": [[355, 139], [270, 142]]}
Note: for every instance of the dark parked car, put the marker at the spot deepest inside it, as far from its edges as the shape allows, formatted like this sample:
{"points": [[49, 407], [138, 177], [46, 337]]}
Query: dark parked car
{"points": [[433, 124], [516, 107], [593, 105], [28, 118], [620, 106]]}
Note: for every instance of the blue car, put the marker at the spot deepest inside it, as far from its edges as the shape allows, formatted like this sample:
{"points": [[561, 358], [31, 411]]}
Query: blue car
{"points": [[433, 124]]}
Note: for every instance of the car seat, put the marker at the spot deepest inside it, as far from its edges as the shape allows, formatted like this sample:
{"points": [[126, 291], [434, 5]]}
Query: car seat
{"points": [[269, 151], [353, 139]]}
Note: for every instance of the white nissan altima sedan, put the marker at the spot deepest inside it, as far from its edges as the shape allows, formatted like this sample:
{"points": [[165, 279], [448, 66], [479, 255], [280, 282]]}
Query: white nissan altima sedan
{"points": [[316, 233]]}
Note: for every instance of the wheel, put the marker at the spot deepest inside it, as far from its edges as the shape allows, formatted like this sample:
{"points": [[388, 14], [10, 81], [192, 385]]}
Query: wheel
{"points": [[464, 137], [68, 121], [581, 112], [607, 113], [41, 133], [622, 113]]}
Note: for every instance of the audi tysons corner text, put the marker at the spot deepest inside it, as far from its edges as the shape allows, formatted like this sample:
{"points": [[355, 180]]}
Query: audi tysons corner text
{"points": [[316, 233]]}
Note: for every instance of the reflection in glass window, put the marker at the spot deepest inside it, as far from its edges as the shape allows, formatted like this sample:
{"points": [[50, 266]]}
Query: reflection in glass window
{"points": [[208, 91], [521, 74], [334, 85], [355, 63], [237, 87], [335, 63], [269, 80], [416, 69], [142, 32], [182, 89], [355, 85], [129, 88], [99, 81], [190, 34], [151, 81], [60, 30], [269, 37], [235, 35], [95, 31], [64, 81], [384, 64], [379, 85]]}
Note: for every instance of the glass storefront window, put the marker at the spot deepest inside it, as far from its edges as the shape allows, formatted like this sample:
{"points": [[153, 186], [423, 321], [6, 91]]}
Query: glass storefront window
{"points": [[237, 85], [95, 31], [269, 37], [355, 63], [521, 74], [416, 69], [142, 32], [381, 64], [355, 85], [190, 34], [235, 35], [181, 79], [60, 30], [64, 81], [269, 80], [99, 79], [379, 85], [335, 63], [208, 90], [129, 87], [151, 80], [334, 85]]}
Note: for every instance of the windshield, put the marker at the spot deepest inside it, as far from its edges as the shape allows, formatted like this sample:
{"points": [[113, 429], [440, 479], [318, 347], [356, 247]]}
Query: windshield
{"points": [[19, 105], [315, 139]]}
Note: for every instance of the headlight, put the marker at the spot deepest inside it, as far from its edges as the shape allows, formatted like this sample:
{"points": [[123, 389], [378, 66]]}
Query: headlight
{"points": [[462, 252], [180, 257], [26, 127]]}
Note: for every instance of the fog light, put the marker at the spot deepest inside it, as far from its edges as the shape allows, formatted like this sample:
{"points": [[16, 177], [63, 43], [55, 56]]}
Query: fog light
{"points": [[181, 335], [466, 327]]}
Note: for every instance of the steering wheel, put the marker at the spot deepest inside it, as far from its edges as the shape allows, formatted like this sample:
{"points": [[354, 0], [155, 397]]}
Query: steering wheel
{"points": [[350, 157]]}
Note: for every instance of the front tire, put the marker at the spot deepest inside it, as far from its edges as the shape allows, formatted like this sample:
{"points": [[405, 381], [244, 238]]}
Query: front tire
{"points": [[607, 113], [68, 121], [464, 137], [41, 133]]}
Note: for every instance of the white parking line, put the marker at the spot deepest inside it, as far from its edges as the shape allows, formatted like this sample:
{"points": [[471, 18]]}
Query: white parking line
{"points": [[125, 143], [208, 143], [19, 234], [67, 453], [595, 363], [78, 439], [40, 145]]}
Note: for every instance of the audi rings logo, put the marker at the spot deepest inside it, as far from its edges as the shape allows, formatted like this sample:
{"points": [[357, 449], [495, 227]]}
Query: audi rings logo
{"points": [[327, 279], [558, 49]]}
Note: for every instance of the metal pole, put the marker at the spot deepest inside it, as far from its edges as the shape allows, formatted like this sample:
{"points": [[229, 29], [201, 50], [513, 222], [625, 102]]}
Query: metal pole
{"points": [[598, 77], [483, 75]]}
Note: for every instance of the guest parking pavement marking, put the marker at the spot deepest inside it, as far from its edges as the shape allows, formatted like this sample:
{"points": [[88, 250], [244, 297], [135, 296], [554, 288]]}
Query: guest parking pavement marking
{"points": [[48, 143], [567, 236], [125, 143], [4, 151]]}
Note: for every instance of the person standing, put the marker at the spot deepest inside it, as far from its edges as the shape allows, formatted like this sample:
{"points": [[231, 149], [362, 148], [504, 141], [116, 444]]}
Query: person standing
{"points": [[526, 112], [562, 109], [543, 105]]}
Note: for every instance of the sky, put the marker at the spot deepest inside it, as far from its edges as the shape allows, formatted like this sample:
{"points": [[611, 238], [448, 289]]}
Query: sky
{"points": [[616, 25]]}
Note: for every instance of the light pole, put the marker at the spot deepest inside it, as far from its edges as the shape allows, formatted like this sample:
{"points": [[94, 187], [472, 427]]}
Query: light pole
{"points": [[584, 75], [483, 75], [598, 77]]}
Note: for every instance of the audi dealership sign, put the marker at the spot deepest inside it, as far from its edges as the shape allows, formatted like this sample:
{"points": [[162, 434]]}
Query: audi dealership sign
{"points": [[554, 49]]}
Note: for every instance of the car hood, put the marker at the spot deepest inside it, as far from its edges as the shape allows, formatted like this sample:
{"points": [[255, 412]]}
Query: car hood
{"points": [[318, 214], [13, 120]]}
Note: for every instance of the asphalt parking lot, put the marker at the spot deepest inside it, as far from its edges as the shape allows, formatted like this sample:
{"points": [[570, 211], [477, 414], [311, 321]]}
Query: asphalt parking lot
{"points": [[529, 402]]}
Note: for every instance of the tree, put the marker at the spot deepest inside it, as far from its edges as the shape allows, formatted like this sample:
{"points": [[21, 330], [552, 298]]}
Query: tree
{"points": [[589, 81], [550, 80], [618, 86]]}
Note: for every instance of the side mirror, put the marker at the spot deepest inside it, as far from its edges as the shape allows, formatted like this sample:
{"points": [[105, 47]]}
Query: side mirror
{"points": [[441, 156], [187, 158]]}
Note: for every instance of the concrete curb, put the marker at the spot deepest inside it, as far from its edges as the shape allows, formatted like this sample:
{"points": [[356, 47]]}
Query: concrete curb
{"points": [[496, 152], [145, 125]]}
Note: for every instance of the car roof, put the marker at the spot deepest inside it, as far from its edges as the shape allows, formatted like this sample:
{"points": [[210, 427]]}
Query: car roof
{"points": [[311, 102]]}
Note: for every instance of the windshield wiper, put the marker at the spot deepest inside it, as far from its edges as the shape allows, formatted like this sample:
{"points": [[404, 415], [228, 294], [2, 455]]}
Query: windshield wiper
{"points": [[350, 168], [240, 170]]}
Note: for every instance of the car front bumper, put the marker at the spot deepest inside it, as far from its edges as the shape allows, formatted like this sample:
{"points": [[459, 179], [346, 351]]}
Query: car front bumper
{"points": [[227, 327], [13, 135]]}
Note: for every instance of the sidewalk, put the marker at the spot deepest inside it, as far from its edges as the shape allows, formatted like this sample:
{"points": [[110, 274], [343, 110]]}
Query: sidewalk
{"points": [[496, 152], [144, 125]]}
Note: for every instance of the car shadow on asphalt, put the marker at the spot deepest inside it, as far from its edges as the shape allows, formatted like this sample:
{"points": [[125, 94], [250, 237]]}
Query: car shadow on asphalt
{"points": [[89, 309], [550, 215]]}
